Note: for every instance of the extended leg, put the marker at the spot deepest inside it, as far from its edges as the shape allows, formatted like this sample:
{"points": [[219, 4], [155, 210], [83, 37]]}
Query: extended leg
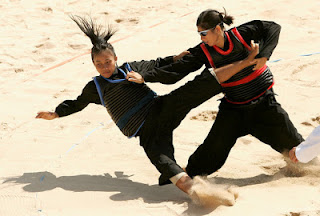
{"points": [[212, 154]]}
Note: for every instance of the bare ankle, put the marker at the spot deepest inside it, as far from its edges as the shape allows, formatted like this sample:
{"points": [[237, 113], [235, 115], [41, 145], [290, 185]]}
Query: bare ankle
{"points": [[185, 183]]}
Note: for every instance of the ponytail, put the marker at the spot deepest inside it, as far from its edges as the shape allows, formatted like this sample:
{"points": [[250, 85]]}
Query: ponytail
{"points": [[99, 38], [226, 18]]}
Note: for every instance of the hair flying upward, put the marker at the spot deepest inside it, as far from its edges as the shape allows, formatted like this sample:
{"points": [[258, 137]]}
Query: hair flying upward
{"points": [[99, 38]]}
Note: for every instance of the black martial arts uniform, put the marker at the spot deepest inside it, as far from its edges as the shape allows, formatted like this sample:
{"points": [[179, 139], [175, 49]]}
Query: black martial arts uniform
{"points": [[249, 105], [137, 110]]}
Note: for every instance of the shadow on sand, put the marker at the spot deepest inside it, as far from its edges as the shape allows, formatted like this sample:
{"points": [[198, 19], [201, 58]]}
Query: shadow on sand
{"points": [[130, 190], [126, 188]]}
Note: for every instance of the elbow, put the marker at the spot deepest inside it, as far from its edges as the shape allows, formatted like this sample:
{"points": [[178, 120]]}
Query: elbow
{"points": [[277, 27], [216, 76]]}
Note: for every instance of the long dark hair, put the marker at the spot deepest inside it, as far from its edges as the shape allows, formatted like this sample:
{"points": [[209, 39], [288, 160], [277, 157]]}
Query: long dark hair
{"points": [[210, 18], [99, 38]]}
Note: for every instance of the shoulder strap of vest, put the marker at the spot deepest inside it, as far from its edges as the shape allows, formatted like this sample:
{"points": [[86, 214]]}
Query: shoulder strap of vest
{"points": [[128, 68], [238, 36], [117, 80], [95, 79], [206, 52]]}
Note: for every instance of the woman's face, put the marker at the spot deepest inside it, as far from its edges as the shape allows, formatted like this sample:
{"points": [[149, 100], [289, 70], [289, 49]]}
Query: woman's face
{"points": [[209, 36], [105, 63]]}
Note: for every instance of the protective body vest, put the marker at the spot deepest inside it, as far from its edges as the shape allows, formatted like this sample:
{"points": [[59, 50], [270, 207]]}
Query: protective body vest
{"points": [[246, 85], [127, 103]]}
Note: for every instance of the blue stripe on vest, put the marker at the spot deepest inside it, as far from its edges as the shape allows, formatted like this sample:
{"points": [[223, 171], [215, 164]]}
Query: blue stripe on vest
{"points": [[99, 90], [117, 80], [126, 117], [135, 133], [128, 68]]}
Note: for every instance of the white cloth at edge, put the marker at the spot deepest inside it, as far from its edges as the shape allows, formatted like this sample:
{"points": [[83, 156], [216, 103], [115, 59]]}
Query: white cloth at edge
{"points": [[176, 178], [310, 148]]}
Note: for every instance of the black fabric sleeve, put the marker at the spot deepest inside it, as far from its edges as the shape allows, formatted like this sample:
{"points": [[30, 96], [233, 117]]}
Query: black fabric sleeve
{"points": [[142, 66], [175, 71], [89, 95], [194, 92], [266, 33]]}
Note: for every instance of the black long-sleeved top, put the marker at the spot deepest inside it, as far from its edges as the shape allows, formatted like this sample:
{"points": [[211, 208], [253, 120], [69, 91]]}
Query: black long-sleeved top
{"points": [[90, 94], [266, 33]]}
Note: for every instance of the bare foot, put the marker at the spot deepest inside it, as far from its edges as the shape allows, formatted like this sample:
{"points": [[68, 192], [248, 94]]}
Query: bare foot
{"points": [[292, 155], [208, 195]]}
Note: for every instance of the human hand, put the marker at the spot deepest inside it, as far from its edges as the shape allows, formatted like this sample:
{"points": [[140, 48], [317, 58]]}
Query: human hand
{"points": [[134, 77], [254, 51], [259, 63], [177, 57], [292, 155], [47, 115]]}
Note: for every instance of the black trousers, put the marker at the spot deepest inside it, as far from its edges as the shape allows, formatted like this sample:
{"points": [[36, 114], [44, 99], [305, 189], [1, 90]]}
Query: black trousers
{"points": [[265, 120], [166, 114]]}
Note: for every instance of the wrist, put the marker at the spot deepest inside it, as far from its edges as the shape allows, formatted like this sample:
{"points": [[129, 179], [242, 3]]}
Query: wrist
{"points": [[174, 58], [247, 62], [55, 115]]}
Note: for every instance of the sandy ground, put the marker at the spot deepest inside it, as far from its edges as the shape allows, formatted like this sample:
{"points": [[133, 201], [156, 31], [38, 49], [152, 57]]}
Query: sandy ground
{"points": [[83, 165]]}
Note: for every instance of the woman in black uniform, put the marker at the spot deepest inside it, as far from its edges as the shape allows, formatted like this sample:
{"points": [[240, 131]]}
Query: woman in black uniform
{"points": [[135, 108], [249, 105]]}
